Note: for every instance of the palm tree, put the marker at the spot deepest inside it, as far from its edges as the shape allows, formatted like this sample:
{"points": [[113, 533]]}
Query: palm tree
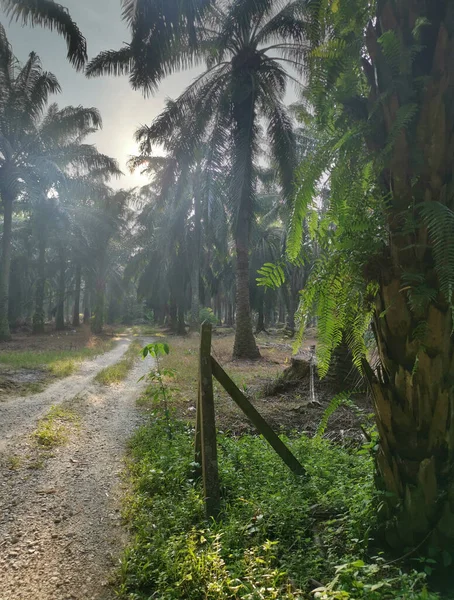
{"points": [[108, 217], [24, 95], [51, 15], [37, 146], [159, 30], [249, 45]]}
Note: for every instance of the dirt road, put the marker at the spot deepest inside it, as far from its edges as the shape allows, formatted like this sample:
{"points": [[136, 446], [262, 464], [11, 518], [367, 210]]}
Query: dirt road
{"points": [[60, 526]]}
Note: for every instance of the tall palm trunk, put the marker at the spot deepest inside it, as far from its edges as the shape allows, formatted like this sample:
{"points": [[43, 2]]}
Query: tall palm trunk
{"points": [[78, 282], [5, 267], [195, 273], [414, 405], [244, 115], [181, 326], [87, 300], [38, 317], [413, 390], [260, 319], [60, 317]]}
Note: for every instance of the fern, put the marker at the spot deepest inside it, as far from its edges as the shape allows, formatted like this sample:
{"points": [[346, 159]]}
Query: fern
{"points": [[271, 276], [342, 399], [439, 220]]}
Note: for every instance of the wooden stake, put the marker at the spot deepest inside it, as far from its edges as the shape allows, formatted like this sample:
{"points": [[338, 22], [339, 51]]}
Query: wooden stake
{"points": [[208, 426], [197, 471], [263, 427]]}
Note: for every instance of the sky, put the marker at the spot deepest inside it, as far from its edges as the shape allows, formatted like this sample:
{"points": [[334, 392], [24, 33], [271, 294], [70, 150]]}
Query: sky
{"points": [[123, 110]]}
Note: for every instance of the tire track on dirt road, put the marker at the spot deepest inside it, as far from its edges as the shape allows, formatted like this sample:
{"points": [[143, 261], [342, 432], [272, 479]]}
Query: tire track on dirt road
{"points": [[60, 526]]}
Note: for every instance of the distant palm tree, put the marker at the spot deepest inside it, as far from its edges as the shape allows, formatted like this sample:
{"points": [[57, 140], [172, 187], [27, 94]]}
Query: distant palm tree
{"points": [[51, 15], [37, 145], [248, 45]]}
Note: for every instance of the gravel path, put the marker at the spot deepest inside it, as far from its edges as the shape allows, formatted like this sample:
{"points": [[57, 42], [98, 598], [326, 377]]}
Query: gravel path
{"points": [[60, 526]]}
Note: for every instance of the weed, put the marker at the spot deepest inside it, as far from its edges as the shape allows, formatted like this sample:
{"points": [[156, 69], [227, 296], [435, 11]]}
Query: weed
{"points": [[157, 375], [54, 428], [14, 462], [119, 371], [275, 534], [58, 363]]}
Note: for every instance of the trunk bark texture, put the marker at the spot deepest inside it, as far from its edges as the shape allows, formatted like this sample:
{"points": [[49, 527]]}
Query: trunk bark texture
{"points": [[5, 267], [78, 282], [413, 390], [39, 317], [243, 189]]}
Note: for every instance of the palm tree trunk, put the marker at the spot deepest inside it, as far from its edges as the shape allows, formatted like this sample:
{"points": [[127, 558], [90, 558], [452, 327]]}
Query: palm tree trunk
{"points": [[98, 320], [5, 267], [414, 406], [87, 300], [38, 317], [244, 115], [60, 317], [260, 320], [181, 325], [76, 312], [195, 264]]}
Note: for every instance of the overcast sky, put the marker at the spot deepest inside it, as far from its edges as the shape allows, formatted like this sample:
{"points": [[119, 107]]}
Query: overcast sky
{"points": [[122, 109]]}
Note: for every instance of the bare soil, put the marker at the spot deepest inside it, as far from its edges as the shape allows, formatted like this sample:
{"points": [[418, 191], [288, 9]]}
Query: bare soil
{"points": [[60, 526]]}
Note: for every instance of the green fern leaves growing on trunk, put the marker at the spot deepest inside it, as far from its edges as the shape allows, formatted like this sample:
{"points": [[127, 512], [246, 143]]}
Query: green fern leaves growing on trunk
{"points": [[381, 88]]}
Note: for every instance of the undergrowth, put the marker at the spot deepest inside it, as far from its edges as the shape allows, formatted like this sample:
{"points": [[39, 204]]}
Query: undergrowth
{"points": [[54, 428], [59, 363], [119, 371], [278, 536]]}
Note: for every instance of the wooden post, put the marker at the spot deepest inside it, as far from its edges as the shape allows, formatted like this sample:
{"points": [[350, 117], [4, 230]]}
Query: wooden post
{"points": [[197, 471], [208, 427], [263, 427]]}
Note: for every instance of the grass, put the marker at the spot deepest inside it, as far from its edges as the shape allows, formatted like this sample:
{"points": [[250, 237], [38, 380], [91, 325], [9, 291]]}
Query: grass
{"points": [[54, 429], [58, 363], [248, 375], [119, 371], [275, 535]]}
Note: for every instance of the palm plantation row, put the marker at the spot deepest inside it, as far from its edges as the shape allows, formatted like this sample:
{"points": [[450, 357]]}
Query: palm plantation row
{"points": [[377, 107]]}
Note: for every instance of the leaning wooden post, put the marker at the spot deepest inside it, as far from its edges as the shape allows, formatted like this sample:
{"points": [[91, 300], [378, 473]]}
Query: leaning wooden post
{"points": [[208, 426], [251, 412]]}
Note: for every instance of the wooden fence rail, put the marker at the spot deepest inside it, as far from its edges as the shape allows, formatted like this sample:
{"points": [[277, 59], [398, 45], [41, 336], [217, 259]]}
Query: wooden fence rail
{"points": [[205, 436]]}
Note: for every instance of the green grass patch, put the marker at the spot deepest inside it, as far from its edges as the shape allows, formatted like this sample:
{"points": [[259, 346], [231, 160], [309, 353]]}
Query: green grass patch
{"points": [[59, 363], [276, 532], [119, 371], [54, 429]]}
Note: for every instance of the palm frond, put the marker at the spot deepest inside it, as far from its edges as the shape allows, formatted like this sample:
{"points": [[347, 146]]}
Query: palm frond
{"points": [[51, 15]]}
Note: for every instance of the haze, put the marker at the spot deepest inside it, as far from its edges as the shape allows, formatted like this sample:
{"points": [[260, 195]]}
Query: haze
{"points": [[122, 108]]}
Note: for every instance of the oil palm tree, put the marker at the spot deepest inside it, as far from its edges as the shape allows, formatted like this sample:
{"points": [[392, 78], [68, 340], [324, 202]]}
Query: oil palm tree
{"points": [[159, 31], [37, 145], [250, 47], [49, 14]]}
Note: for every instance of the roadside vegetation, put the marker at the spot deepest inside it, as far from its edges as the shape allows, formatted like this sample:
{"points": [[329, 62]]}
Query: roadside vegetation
{"points": [[55, 427], [28, 368], [278, 536], [117, 372]]}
